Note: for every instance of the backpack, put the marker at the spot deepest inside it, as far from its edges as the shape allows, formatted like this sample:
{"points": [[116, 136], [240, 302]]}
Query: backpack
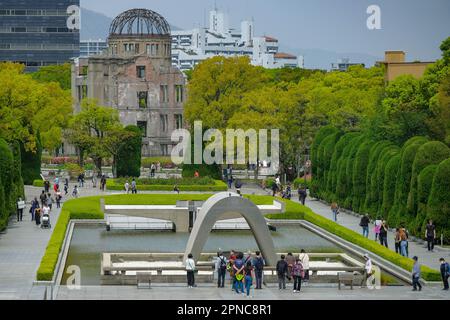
{"points": [[259, 264], [223, 264]]}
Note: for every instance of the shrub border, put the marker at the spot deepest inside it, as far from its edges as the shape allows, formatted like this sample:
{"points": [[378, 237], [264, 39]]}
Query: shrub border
{"points": [[218, 186]]}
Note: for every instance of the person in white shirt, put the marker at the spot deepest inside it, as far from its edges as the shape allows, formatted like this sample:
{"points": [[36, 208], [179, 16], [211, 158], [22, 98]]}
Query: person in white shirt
{"points": [[368, 270], [20, 207], [304, 259], [190, 268], [127, 187]]}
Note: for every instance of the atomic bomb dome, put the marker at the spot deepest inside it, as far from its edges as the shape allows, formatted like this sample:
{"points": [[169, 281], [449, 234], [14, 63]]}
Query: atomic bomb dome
{"points": [[139, 22]]}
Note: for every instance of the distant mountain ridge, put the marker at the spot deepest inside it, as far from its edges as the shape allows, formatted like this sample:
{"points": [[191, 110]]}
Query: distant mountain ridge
{"points": [[95, 25]]}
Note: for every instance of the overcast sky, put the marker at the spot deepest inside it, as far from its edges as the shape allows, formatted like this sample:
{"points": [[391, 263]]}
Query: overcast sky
{"points": [[415, 26]]}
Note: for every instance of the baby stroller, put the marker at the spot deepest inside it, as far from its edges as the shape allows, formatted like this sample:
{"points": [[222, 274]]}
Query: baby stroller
{"points": [[46, 221]]}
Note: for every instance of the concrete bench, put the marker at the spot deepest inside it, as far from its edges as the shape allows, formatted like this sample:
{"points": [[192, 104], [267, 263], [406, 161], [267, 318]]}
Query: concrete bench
{"points": [[346, 278], [143, 280]]}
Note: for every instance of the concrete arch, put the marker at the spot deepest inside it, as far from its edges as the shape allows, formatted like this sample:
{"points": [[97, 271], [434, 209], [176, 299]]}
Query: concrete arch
{"points": [[224, 203]]}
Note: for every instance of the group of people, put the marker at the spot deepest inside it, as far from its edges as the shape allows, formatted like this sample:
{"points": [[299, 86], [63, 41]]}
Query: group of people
{"points": [[132, 187], [246, 269], [43, 206]]}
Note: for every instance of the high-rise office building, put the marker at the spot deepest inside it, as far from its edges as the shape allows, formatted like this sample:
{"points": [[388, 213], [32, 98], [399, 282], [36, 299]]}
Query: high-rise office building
{"points": [[39, 33]]}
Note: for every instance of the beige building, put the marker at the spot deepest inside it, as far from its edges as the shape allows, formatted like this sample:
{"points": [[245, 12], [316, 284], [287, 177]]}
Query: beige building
{"points": [[135, 76], [396, 66]]}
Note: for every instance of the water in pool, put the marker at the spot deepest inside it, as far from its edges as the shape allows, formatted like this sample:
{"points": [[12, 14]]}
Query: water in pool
{"points": [[89, 242]]}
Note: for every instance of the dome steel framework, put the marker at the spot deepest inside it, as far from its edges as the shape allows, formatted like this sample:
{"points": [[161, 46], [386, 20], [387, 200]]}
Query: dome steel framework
{"points": [[139, 22]]}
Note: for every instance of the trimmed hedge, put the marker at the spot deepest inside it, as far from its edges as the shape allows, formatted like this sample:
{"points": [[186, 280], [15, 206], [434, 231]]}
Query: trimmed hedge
{"points": [[217, 186], [398, 211], [301, 182], [326, 150], [76, 209], [129, 155], [338, 150], [433, 152], [359, 176], [347, 203], [7, 196], [424, 185], [390, 181], [371, 201], [439, 200]]}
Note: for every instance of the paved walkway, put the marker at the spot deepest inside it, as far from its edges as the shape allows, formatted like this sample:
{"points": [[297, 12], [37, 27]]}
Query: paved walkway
{"points": [[179, 292]]}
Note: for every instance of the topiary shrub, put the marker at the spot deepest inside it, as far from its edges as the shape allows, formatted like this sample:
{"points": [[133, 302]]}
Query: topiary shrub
{"points": [[325, 154], [31, 163], [424, 184], [337, 153], [355, 144], [342, 186], [403, 184], [359, 175], [438, 207], [380, 171], [433, 152], [370, 203], [17, 172], [128, 160], [390, 181]]}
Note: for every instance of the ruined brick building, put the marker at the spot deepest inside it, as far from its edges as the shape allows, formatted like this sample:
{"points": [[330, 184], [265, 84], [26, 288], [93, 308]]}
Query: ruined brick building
{"points": [[135, 76]]}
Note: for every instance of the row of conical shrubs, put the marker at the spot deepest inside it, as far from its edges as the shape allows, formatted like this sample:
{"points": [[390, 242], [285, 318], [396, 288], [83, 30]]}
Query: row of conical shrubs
{"points": [[11, 183], [404, 185]]}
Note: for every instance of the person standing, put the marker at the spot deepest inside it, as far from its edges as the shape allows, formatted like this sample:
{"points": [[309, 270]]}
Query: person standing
{"points": [[334, 211], [258, 263], [377, 228], [190, 270], [46, 186], [430, 235], [383, 234], [34, 206], [103, 182], [43, 198], [37, 215], [368, 269], [416, 275], [304, 259], [152, 170], [302, 194], [46, 211], [221, 268], [403, 242], [298, 274], [290, 261], [127, 187], [238, 270], [364, 224], [20, 206], [66, 187], [94, 180], [249, 273], [274, 189], [230, 181], [75, 192], [133, 187], [58, 199], [49, 201], [282, 269], [445, 273], [397, 240]]}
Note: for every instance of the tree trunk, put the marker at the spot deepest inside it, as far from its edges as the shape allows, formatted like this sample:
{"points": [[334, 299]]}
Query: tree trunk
{"points": [[80, 157], [98, 165]]}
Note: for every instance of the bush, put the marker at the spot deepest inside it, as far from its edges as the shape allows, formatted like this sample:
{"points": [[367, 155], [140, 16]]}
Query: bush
{"points": [[359, 176], [166, 162], [380, 173], [215, 186], [430, 153], [74, 170], [204, 170], [325, 154], [439, 200], [371, 201], [390, 181], [355, 144], [424, 185], [301, 182], [409, 150], [31, 163], [129, 155], [6, 178], [338, 150]]}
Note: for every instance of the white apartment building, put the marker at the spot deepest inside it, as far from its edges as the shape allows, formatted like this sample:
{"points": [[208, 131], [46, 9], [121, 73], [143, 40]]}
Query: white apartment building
{"points": [[190, 47]]}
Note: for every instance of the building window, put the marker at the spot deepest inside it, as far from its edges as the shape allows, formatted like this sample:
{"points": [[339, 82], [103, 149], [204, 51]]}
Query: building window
{"points": [[82, 92], [164, 122], [164, 150], [142, 99], [179, 121], [140, 72], [164, 94], [179, 93], [143, 126]]}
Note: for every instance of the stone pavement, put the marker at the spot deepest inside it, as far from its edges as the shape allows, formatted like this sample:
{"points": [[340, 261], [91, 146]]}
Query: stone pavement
{"points": [[180, 292]]}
